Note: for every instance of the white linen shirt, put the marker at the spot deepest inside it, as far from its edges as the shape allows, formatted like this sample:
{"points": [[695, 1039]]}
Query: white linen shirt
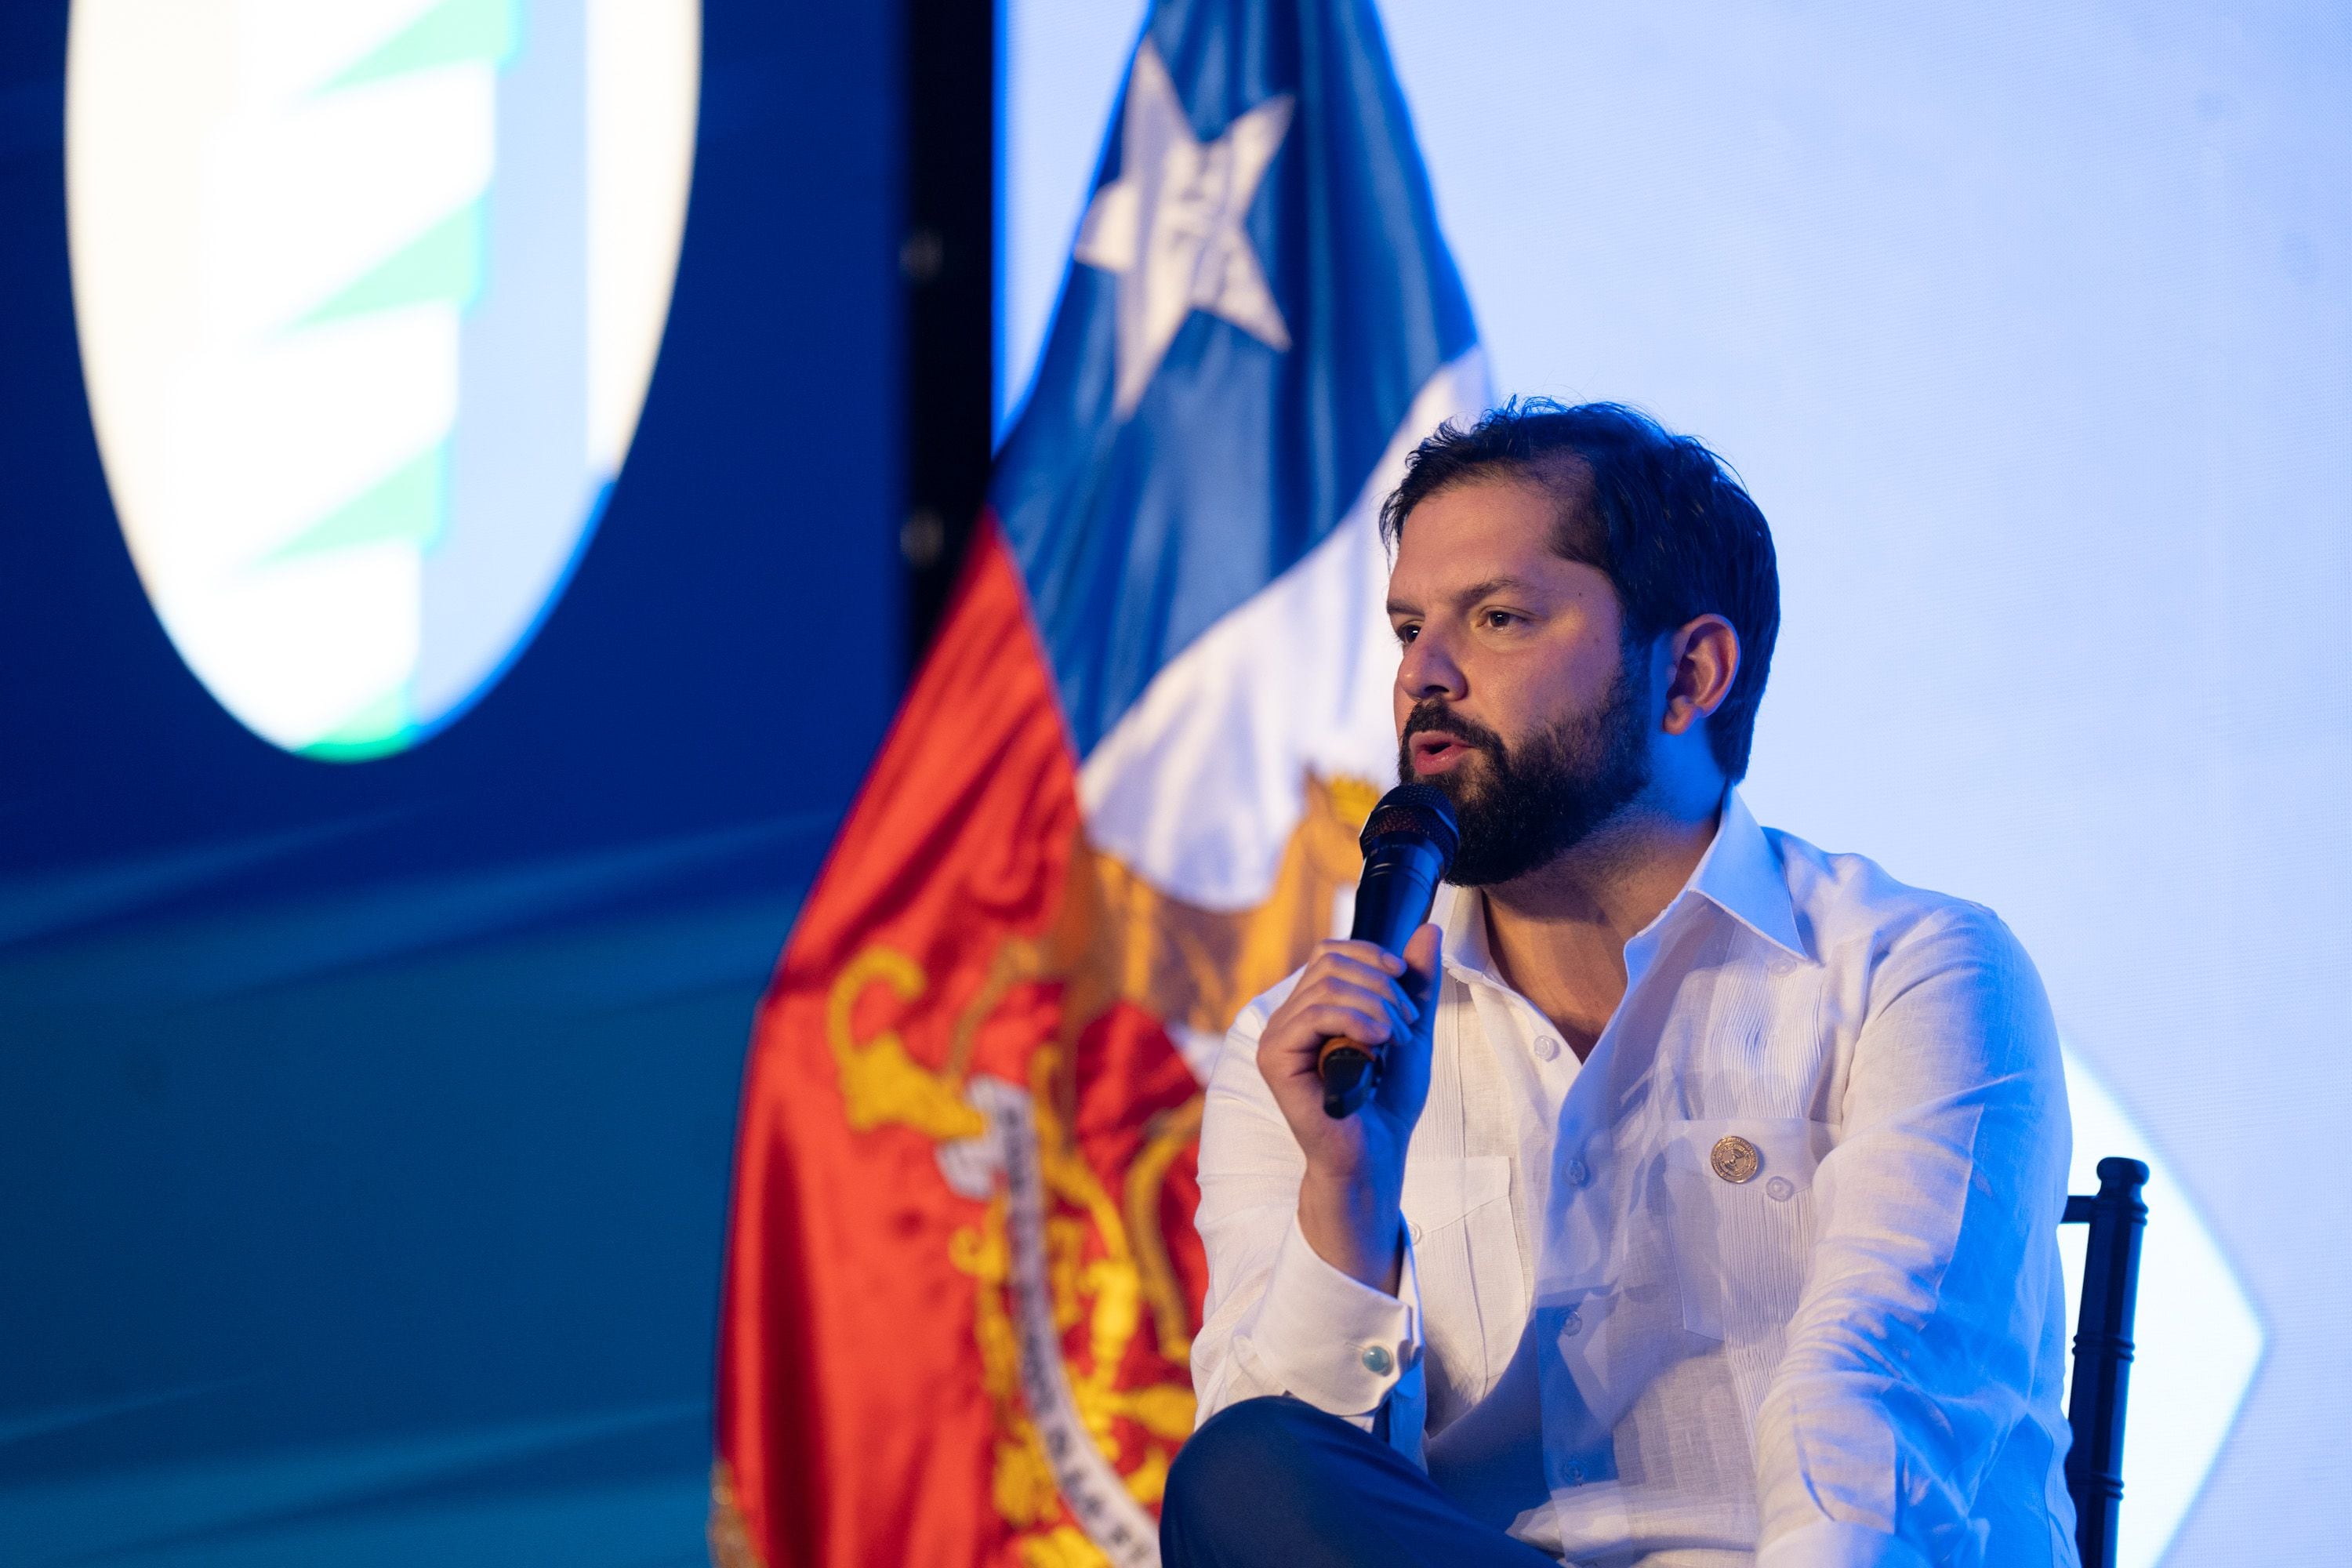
{"points": [[1846, 1350]]}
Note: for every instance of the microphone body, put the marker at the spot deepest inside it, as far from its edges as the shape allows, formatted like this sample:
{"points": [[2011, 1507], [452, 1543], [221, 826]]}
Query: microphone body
{"points": [[1409, 842]]}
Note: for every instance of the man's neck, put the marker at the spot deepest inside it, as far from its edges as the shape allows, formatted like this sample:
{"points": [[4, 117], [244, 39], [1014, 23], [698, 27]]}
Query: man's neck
{"points": [[1558, 935]]}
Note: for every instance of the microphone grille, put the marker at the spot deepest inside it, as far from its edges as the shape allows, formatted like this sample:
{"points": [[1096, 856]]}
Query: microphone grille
{"points": [[1416, 810]]}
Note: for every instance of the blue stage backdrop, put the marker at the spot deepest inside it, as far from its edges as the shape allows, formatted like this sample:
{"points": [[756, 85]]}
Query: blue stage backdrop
{"points": [[377, 955], [381, 914], [2027, 325]]}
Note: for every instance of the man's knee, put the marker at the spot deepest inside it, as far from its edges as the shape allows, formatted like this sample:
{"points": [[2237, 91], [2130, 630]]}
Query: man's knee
{"points": [[1224, 1471], [1242, 1445], [1248, 1463]]}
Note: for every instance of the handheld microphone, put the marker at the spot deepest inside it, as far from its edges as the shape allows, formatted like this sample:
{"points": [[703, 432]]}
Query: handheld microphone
{"points": [[1409, 843]]}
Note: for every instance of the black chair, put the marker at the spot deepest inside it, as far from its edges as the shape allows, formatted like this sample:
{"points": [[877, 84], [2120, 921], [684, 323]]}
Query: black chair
{"points": [[2103, 1352]]}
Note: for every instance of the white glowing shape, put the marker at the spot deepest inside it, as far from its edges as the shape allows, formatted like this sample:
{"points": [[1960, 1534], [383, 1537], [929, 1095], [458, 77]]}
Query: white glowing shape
{"points": [[287, 218], [2198, 1341]]}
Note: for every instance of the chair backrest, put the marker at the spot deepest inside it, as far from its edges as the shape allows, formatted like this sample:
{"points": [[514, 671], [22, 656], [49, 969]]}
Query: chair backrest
{"points": [[2103, 1352]]}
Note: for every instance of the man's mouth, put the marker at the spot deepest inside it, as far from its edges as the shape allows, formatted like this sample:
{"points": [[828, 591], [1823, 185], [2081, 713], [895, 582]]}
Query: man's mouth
{"points": [[1436, 751]]}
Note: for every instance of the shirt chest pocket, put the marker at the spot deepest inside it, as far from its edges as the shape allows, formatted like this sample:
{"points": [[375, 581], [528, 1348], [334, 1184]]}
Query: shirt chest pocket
{"points": [[1466, 1255], [1740, 1201]]}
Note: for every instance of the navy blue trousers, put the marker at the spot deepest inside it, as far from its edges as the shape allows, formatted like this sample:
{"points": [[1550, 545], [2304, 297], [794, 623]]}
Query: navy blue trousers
{"points": [[1276, 1483]]}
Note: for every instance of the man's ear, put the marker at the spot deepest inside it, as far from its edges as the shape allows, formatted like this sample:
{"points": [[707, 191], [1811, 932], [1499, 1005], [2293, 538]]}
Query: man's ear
{"points": [[1702, 661]]}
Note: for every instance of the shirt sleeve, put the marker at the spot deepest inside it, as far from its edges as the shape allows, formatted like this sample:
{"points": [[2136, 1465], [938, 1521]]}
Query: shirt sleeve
{"points": [[1913, 1353], [1280, 1320]]}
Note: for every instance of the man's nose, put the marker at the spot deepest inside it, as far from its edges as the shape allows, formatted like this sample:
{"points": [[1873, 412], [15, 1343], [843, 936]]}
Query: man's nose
{"points": [[1429, 670]]}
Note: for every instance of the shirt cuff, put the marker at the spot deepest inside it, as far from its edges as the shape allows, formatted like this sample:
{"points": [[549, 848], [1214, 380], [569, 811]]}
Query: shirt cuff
{"points": [[1830, 1544], [1335, 1341]]}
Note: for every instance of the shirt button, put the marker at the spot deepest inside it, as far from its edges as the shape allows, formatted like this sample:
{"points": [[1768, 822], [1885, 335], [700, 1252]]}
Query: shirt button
{"points": [[1547, 1049], [1575, 1474], [1573, 1323], [1780, 1189], [1578, 1173], [1377, 1360], [1414, 1231]]}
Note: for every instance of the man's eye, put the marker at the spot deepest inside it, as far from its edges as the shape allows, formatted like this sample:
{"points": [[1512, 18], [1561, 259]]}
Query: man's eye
{"points": [[1407, 632], [1499, 618]]}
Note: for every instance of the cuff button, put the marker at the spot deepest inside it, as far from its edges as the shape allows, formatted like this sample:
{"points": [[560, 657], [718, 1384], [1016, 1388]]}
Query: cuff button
{"points": [[1377, 1360]]}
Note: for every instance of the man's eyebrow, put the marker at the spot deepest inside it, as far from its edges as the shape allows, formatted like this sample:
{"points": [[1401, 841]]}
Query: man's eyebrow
{"points": [[1473, 593], [1496, 585]]}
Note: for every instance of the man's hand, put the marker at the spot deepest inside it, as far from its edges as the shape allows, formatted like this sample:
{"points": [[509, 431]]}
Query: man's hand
{"points": [[1355, 1164]]}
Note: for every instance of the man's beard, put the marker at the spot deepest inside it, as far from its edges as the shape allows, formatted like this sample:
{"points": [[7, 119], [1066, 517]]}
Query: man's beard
{"points": [[1523, 807]]}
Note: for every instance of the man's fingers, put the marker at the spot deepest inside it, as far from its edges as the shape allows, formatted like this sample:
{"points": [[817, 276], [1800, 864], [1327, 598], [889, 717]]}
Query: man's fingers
{"points": [[1369, 953], [1378, 994], [1336, 1020], [1340, 975], [1333, 1021], [1355, 966], [1352, 991]]}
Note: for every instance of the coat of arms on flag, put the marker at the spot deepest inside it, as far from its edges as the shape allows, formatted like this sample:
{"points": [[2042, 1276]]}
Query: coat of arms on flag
{"points": [[1120, 799]]}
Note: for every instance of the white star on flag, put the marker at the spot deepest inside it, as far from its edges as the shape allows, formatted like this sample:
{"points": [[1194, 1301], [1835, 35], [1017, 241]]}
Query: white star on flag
{"points": [[1170, 225]]}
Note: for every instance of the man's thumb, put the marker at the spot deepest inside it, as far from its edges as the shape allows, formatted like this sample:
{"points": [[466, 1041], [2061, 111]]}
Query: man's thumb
{"points": [[1422, 956]]}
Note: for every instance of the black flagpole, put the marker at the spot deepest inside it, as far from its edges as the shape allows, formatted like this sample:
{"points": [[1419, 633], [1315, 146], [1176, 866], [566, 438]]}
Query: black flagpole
{"points": [[946, 267]]}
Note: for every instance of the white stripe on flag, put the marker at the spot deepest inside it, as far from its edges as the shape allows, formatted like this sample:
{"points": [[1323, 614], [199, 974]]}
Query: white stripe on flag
{"points": [[1199, 786]]}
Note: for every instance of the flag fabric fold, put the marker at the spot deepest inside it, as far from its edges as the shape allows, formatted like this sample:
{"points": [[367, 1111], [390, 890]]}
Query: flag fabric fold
{"points": [[1120, 799]]}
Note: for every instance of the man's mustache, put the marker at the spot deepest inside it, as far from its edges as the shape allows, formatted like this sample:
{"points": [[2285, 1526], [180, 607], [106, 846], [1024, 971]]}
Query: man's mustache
{"points": [[1430, 714]]}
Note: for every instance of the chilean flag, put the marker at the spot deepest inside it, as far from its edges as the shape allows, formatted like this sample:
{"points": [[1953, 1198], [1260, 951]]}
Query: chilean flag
{"points": [[1121, 800]]}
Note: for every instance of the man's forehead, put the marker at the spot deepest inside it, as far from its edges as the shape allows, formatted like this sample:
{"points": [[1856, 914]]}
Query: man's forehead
{"points": [[1505, 514], [1470, 552]]}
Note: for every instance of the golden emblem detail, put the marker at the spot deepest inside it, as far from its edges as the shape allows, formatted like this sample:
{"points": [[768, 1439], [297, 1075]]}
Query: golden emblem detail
{"points": [[1115, 938], [1735, 1159]]}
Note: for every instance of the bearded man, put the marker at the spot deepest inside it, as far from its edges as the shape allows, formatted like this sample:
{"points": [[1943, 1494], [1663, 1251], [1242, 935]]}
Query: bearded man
{"points": [[1705, 1213]]}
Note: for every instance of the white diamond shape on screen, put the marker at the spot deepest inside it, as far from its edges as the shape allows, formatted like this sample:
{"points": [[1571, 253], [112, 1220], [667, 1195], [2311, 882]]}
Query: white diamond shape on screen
{"points": [[2199, 1340]]}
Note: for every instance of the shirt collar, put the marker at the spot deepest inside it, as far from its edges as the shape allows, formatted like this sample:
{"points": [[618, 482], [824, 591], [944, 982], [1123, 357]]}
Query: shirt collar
{"points": [[1461, 917], [1740, 874]]}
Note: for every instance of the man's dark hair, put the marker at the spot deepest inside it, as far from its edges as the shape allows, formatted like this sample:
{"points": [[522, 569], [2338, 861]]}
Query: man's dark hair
{"points": [[1662, 518]]}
